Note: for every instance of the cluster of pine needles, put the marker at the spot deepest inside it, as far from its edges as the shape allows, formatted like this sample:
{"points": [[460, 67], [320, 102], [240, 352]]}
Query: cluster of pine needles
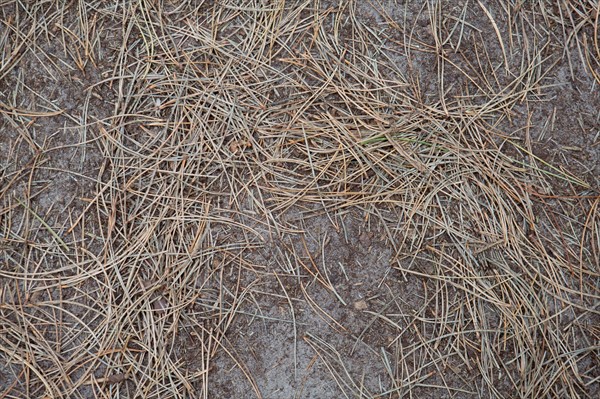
{"points": [[200, 125]]}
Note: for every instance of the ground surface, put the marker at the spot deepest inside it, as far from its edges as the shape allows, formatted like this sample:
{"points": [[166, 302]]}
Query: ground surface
{"points": [[299, 199]]}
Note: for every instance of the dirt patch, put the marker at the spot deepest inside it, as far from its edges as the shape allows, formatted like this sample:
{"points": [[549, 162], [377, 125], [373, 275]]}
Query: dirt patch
{"points": [[299, 199]]}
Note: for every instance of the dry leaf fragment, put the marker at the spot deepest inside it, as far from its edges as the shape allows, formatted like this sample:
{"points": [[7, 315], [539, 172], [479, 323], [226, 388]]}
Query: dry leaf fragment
{"points": [[117, 378], [238, 146]]}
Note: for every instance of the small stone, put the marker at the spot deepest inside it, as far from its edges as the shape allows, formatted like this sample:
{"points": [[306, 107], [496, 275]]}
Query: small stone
{"points": [[360, 305]]}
